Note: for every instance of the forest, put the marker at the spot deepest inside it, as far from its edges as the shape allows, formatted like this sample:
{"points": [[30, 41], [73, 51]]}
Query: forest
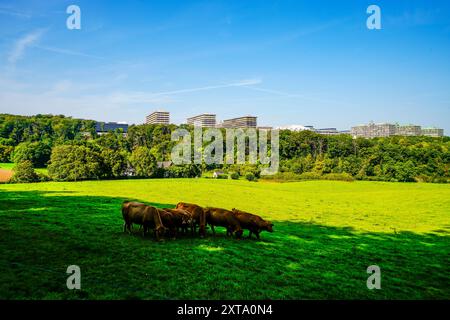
{"points": [[71, 150]]}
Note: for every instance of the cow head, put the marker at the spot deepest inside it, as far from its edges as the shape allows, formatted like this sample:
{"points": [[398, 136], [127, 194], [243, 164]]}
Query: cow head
{"points": [[180, 205], [268, 226]]}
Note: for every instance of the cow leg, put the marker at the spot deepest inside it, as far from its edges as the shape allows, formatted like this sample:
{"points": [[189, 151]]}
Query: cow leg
{"points": [[257, 234], [250, 234], [213, 230], [144, 231], [124, 227]]}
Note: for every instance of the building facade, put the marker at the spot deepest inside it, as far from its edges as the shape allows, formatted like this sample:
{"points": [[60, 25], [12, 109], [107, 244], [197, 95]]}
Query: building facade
{"points": [[104, 127], [373, 130], [241, 122], [433, 132], [158, 117], [409, 130], [205, 120]]}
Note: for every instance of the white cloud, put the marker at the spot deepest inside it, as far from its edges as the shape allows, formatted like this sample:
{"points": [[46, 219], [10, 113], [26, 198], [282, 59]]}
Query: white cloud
{"points": [[22, 44], [14, 13], [241, 83]]}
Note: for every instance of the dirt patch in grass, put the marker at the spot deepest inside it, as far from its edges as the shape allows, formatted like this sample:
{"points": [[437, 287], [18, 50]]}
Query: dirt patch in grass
{"points": [[5, 175]]}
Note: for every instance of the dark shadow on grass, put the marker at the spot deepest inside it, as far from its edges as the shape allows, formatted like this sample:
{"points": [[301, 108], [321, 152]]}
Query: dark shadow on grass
{"points": [[41, 233]]}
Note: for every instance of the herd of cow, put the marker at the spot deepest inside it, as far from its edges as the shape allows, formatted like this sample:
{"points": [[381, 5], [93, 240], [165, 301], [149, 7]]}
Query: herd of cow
{"points": [[190, 216]]}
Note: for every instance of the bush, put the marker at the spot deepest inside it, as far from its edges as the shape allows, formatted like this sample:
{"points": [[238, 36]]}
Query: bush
{"points": [[250, 176], [282, 176], [234, 176], [24, 172], [310, 176], [222, 176], [338, 176]]}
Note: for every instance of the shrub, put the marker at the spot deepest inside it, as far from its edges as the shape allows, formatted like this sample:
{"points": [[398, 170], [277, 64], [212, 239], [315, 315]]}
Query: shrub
{"points": [[310, 176], [338, 176], [222, 176], [282, 176], [234, 176], [250, 176], [24, 172]]}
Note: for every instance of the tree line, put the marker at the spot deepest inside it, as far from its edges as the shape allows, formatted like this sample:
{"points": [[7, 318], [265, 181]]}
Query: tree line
{"points": [[72, 150]]}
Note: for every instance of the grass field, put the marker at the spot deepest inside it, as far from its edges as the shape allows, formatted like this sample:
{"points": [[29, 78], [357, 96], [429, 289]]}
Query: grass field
{"points": [[6, 171], [326, 234]]}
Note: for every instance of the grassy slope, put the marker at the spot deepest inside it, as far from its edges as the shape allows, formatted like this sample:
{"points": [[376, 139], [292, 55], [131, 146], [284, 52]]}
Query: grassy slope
{"points": [[327, 234], [10, 166]]}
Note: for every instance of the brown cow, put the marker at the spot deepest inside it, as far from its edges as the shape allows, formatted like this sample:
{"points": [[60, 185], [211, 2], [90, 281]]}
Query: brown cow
{"points": [[169, 220], [198, 216], [223, 218], [255, 224], [146, 216], [183, 219]]}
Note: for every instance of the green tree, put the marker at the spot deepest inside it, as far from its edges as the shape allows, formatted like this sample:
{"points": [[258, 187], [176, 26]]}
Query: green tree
{"points": [[115, 162], [74, 162], [143, 162], [36, 152]]}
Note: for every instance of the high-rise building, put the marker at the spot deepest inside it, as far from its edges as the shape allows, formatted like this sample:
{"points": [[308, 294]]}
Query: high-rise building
{"points": [[241, 122], [158, 117], [433, 132], [206, 120]]}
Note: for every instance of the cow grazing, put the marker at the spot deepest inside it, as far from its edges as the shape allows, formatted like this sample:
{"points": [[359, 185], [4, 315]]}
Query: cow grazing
{"points": [[146, 216], [255, 224], [182, 218], [198, 216], [223, 218], [169, 220]]}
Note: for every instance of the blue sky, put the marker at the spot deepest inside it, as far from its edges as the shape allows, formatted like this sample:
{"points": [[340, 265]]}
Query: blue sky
{"points": [[287, 62]]}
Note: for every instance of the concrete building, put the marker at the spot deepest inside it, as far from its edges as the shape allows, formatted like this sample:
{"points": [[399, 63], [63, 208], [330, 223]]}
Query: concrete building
{"points": [[409, 130], [104, 127], [266, 128], [241, 122], [373, 130], [327, 131], [158, 117], [296, 127], [433, 132], [205, 120]]}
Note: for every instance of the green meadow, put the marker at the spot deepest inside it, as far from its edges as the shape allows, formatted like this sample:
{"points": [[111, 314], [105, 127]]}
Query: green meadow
{"points": [[325, 236]]}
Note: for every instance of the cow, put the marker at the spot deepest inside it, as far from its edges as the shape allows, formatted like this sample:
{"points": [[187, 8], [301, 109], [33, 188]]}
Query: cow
{"points": [[255, 224], [146, 216], [223, 218], [170, 221], [198, 216], [183, 219]]}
